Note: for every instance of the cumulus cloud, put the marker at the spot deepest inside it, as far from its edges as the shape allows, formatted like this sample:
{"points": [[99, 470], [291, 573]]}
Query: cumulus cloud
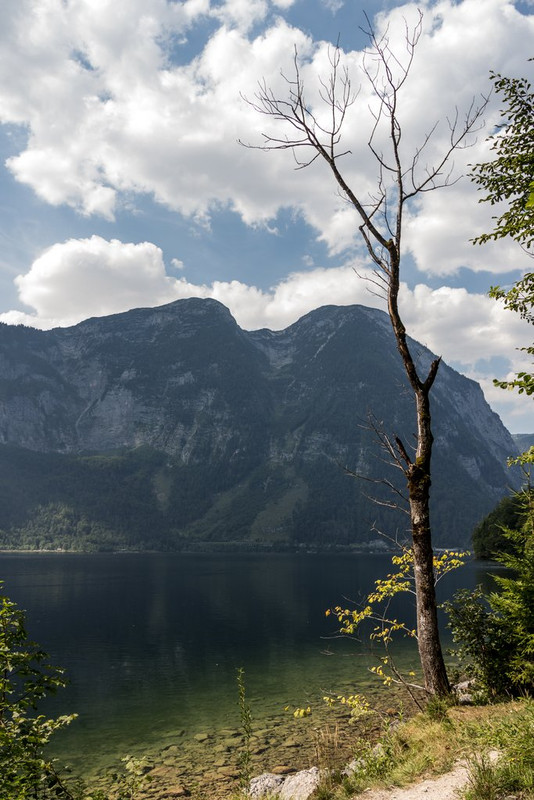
{"points": [[92, 277], [462, 326], [109, 113], [81, 278]]}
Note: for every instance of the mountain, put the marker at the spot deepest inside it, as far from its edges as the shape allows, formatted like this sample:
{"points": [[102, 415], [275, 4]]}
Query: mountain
{"points": [[523, 441], [169, 427]]}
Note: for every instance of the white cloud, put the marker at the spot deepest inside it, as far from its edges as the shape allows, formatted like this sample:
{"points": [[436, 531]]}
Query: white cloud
{"points": [[464, 327], [92, 277], [242, 13], [333, 5], [109, 114], [81, 278]]}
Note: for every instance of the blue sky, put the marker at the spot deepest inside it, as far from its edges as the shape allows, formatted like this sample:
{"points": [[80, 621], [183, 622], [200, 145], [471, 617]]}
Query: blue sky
{"points": [[122, 182]]}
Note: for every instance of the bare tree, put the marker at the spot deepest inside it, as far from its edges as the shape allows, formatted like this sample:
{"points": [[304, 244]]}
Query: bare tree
{"points": [[381, 215]]}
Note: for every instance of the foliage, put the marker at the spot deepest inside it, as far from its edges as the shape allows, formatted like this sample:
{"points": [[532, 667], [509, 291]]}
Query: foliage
{"points": [[376, 610], [514, 601], [26, 678], [495, 634], [358, 705], [481, 643], [520, 298], [300, 711], [509, 177], [245, 757], [513, 772], [489, 537]]}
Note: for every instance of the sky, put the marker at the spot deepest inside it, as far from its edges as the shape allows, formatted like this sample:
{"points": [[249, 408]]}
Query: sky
{"points": [[123, 182]]}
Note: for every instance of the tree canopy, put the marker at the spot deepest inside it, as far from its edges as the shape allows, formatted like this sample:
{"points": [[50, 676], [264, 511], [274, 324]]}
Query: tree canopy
{"points": [[509, 179]]}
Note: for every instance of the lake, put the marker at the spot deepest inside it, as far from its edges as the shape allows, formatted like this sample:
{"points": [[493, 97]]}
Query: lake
{"points": [[151, 642]]}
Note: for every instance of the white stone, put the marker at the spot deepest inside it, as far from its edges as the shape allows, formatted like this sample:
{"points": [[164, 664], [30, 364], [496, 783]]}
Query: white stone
{"points": [[300, 785], [265, 784]]}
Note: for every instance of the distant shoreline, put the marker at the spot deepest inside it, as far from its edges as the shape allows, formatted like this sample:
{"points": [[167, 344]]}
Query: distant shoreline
{"points": [[215, 550], [231, 548]]}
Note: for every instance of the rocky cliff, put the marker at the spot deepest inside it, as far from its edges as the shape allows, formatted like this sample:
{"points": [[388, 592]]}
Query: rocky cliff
{"points": [[226, 435]]}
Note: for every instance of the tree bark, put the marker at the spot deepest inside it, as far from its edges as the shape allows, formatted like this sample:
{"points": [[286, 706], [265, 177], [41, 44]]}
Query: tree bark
{"points": [[418, 474]]}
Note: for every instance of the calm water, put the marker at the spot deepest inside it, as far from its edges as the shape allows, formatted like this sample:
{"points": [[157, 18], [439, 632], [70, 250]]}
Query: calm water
{"points": [[151, 643]]}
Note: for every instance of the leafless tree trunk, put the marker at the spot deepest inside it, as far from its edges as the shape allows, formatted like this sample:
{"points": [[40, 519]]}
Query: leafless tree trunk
{"points": [[381, 222]]}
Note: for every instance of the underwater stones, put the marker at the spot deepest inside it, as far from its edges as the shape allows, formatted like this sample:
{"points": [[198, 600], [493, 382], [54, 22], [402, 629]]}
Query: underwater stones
{"points": [[176, 791], [228, 772], [229, 733], [291, 742]]}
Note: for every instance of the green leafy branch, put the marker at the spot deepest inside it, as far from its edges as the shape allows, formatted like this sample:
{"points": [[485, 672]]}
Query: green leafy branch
{"points": [[375, 609]]}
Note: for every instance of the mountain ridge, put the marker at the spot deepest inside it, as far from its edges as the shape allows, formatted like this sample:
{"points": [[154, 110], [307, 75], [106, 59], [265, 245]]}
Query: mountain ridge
{"points": [[240, 435]]}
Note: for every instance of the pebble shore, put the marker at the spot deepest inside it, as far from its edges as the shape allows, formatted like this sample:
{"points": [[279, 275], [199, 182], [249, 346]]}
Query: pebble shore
{"points": [[206, 764]]}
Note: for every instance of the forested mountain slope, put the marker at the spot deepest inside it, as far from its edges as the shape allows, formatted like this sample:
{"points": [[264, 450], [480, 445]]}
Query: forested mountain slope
{"points": [[163, 427]]}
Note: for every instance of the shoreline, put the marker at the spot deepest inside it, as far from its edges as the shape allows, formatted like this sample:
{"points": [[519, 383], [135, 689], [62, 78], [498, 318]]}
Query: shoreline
{"points": [[234, 548], [206, 764]]}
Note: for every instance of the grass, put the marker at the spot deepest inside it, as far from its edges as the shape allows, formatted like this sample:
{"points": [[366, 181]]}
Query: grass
{"points": [[432, 742], [495, 741], [511, 734]]}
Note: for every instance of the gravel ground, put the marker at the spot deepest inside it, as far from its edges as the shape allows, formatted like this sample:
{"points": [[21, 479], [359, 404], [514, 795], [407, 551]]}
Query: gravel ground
{"points": [[446, 787]]}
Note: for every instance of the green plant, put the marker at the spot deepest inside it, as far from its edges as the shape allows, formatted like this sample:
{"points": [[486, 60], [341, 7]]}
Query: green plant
{"points": [[245, 757], [329, 760], [128, 781], [483, 780], [495, 634], [376, 610], [26, 678], [488, 537], [437, 708], [511, 770], [481, 644], [507, 179]]}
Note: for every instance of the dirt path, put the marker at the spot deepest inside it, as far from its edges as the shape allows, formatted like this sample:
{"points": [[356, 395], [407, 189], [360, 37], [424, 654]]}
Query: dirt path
{"points": [[446, 787]]}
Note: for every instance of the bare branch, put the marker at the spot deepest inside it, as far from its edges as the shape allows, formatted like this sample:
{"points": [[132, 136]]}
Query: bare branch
{"points": [[400, 180]]}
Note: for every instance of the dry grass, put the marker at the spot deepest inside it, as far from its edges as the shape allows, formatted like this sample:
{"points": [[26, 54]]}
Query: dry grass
{"points": [[425, 746]]}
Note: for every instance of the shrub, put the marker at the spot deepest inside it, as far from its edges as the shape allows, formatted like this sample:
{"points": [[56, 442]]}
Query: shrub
{"points": [[495, 634], [25, 679]]}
